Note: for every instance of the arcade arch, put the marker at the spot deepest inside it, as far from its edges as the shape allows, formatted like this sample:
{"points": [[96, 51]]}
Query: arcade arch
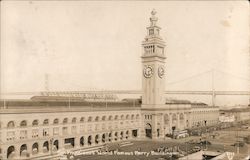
{"points": [[148, 130]]}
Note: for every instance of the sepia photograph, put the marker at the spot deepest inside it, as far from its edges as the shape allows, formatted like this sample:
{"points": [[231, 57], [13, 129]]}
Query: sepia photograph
{"points": [[124, 80]]}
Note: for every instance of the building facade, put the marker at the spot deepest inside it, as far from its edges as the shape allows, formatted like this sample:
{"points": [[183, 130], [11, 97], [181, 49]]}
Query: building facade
{"points": [[239, 114], [38, 132], [37, 128]]}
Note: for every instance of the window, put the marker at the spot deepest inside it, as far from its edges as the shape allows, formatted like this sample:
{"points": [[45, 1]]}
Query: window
{"points": [[116, 125], [110, 118], [11, 124], [35, 133], [103, 118], [46, 122], [65, 130], [74, 120], [56, 121], [122, 116], [157, 31], [82, 119], [181, 117], [166, 119], [46, 132], [23, 134], [10, 135], [174, 118], [89, 127], [89, 119], [35, 123], [97, 119], [73, 129], [23, 123], [133, 116], [65, 120], [151, 32], [127, 116], [103, 126], [81, 128], [56, 131], [96, 127]]}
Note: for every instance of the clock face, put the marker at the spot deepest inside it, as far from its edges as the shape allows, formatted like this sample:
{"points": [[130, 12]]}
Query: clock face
{"points": [[148, 71], [161, 71]]}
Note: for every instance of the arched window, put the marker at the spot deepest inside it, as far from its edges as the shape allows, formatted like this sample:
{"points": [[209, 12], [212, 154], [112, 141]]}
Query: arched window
{"points": [[46, 122], [11, 124], [133, 116], [110, 118], [166, 119], [103, 118], [35, 148], [56, 144], [23, 123], [97, 119], [82, 119], [74, 120], [174, 119], [56, 121], [127, 116], [23, 149], [46, 145], [35, 123], [181, 117], [89, 140], [122, 116], [82, 141], [116, 117], [10, 152], [65, 120], [89, 119]]}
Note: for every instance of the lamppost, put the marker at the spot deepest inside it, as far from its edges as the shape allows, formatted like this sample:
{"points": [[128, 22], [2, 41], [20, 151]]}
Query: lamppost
{"points": [[51, 143], [173, 129], [186, 148], [164, 133], [206, 132]]}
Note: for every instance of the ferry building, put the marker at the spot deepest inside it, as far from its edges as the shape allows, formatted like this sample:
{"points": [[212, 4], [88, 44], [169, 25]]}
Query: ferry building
{"points": [[53, 122]]}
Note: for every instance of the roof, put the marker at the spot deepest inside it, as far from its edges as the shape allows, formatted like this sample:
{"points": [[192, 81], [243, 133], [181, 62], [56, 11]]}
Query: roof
{"points": [[236, 110], [174, 101], [64, 103], [50, 103]]}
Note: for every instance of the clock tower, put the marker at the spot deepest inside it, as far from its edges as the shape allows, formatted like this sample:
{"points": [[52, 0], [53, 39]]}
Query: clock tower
{"points": [[153, 66]]}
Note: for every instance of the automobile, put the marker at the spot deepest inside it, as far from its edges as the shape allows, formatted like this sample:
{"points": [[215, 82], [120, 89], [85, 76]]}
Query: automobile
{"points": [[245, 127], [191, 141], [247, 139], [240, 144], [205, 143], [196, 148]]}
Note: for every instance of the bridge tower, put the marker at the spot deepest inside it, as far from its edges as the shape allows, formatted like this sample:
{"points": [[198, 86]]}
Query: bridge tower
{"points": [[153, 80]]}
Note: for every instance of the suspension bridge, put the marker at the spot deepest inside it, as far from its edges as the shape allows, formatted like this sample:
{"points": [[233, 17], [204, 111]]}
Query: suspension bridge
{"points": [[213, 92]]}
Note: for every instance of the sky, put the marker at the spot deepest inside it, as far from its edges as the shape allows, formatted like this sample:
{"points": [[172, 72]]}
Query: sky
{"points": [[83, 45]]}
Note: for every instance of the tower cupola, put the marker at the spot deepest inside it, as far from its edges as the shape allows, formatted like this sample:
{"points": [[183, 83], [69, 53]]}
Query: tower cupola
{"points": [[153, 43]]}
